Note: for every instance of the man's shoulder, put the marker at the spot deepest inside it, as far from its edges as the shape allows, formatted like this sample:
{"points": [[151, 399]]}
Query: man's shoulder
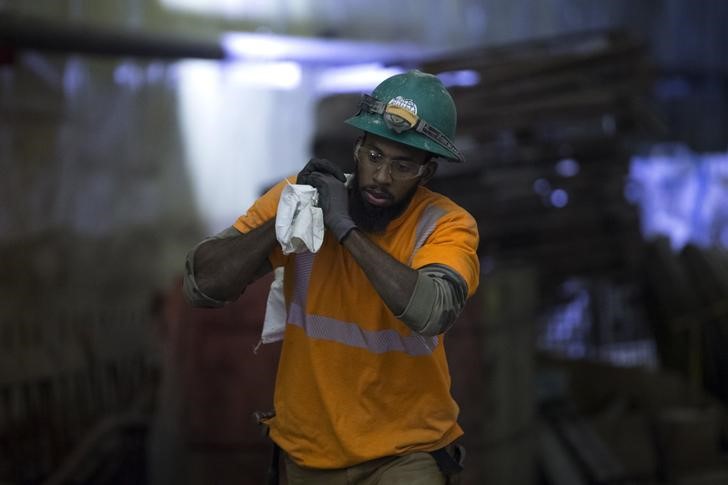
{"points": [[429, 198]]}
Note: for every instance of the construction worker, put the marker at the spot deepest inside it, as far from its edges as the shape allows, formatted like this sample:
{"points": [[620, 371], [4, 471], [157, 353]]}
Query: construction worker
{"points": [[363, 388]]}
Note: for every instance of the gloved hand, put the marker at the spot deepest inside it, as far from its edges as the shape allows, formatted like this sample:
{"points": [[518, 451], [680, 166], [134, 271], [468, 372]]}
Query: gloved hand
{"points": [[333, 199], [320, 165]]}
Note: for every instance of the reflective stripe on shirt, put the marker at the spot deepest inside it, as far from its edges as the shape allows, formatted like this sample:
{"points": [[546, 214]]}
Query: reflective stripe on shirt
{"points": [[348, 333], [425, 225]]}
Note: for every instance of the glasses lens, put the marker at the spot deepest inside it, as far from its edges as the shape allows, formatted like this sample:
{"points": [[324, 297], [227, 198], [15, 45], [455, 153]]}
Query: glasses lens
{"points": [[398, 169], [405, 169]]}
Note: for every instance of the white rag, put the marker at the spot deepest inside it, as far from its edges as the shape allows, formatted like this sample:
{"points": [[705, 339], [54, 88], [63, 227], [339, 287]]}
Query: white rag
{"points": [[299, 228], [299, 222], [274, 324]]}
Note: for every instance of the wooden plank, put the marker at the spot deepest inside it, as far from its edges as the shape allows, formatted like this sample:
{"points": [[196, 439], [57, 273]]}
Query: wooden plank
{"points": [[556, 461]]}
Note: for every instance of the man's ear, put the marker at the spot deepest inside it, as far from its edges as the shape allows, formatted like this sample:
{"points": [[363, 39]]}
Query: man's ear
{"points": [[430, 169], [357, 144]]}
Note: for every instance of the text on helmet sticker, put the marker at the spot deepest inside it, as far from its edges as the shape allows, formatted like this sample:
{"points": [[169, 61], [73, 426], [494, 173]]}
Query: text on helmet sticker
{"points": [[400, 114]]}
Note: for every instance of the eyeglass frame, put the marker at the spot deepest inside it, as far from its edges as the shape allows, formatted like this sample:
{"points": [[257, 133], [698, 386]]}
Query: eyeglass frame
{"points": [[387, 161]]}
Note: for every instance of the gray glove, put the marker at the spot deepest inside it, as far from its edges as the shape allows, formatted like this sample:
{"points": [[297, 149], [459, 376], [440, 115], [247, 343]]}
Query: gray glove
{"points": [[333, 199], [320, 165]]}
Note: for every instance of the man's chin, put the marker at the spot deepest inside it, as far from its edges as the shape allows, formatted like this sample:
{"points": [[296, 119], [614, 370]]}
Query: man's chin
{"points": [[375, 218]]}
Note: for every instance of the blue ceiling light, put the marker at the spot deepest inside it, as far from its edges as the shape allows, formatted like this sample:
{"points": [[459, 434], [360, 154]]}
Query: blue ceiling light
{"points": [[342, 65], [542, 187], [246, 46], [559, 198], [567, 167], [353, 79], [464, 78], [274, 75], [681, 194]]}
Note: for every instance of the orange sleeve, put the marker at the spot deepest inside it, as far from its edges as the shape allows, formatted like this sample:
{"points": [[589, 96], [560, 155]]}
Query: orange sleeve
{"points": [[262, 210], [454, 243]]}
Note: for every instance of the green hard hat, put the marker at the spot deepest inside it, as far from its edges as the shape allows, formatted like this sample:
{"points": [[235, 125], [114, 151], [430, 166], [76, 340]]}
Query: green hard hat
{"points": [[414, 109]]}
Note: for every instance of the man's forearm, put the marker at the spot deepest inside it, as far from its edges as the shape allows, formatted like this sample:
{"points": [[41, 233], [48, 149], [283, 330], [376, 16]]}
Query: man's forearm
{"points": [[393, 280], [224, 267]]}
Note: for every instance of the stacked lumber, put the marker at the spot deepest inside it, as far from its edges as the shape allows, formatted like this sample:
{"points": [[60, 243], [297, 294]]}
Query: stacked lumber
{"points": [[707, 270], [688, 304], [577, 98]]}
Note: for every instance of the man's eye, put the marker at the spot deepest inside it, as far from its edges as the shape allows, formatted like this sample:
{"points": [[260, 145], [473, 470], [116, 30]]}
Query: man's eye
{"points": [[375, 157], [405, 167]]}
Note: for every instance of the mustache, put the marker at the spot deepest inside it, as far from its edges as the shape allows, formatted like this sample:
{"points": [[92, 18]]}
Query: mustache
{"points": [[379, 191]]}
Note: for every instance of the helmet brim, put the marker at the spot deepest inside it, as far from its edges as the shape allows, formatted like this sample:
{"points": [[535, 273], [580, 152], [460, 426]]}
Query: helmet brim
{"points": [[375, 124]]}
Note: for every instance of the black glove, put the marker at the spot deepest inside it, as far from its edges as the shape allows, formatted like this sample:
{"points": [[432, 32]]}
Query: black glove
{"points": [[320, 165], [333, 197]]}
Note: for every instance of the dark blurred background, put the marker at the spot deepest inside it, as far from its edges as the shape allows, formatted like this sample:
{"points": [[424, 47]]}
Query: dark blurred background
{"points": [[596, 135]]}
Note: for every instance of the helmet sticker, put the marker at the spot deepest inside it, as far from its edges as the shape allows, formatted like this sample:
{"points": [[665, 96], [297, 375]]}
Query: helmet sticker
{"points": [[400, 114]]}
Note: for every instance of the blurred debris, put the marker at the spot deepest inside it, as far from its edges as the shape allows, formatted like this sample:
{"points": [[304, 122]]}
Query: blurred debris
{"points": [[491, 353], [598, 319], [637, 426], [592, 455], [546, 131], [688, 303]]}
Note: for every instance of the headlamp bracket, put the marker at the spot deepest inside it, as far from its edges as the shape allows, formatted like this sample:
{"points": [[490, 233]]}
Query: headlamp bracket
{"points": [[400, 120]]}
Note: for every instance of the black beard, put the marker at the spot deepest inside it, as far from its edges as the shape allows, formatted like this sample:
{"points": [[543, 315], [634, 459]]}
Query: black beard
{"points": [[370, 218]]}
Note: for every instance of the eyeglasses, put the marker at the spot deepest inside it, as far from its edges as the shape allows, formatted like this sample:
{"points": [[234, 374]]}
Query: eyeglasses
{"points": [[398, 169], [399, 120]]}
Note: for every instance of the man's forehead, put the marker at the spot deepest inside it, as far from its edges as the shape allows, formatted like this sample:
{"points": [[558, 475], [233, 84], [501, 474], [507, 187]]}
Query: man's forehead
{"points": [[393, 148]]}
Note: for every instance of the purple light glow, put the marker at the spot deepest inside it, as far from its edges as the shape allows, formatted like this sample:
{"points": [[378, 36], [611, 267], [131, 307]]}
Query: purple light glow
{"points": [[567, 326], [682, 195], [559, 198], [272, 75], [270, 47], [568, 167], [365, 77], [349, 66], [350, 79], [464, 78], [129, 74], [542, 187]]}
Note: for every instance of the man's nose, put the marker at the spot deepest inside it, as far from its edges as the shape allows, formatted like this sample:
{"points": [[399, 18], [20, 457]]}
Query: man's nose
{"points": [[383, 174]]}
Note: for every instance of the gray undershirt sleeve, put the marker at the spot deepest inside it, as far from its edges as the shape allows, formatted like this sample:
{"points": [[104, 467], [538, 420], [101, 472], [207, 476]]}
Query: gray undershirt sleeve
{"points": [[189, 285], [437, 300]]}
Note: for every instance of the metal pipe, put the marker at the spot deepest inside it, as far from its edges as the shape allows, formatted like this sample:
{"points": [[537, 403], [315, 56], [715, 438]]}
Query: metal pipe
{"points": [[24, 32]]}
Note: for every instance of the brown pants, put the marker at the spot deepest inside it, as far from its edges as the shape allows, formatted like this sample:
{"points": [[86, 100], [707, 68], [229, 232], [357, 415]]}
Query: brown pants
{"points": [[413, 469]]}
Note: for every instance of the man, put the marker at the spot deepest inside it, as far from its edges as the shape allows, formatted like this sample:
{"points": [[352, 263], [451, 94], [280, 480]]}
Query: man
{"points": [[363, 388]]}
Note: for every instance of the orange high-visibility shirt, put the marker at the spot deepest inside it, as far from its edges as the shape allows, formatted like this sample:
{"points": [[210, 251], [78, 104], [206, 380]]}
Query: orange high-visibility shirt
{"points": [[354, 383]]}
